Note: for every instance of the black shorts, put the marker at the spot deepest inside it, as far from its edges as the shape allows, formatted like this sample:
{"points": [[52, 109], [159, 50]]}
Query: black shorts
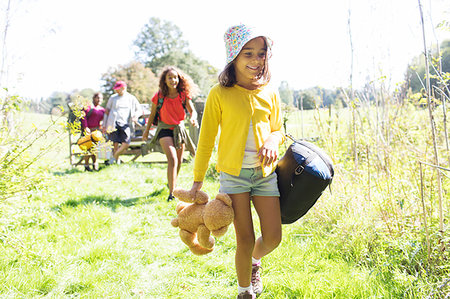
{"points": [[122, 134], [165, 133]]}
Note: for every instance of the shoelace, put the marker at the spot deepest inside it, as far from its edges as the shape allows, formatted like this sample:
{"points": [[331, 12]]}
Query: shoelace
{"points": [[255, 274]]}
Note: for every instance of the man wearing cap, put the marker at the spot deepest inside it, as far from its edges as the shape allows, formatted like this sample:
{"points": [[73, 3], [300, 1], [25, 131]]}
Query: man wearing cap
{"points": [[121, 111]]}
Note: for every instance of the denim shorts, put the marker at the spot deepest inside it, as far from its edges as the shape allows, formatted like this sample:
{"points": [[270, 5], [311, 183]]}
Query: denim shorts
{"points": [[249, 180]]}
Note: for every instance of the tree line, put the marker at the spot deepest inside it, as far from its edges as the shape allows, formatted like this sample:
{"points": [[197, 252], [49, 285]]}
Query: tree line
{"points": [[412, 88], [161, 43]]}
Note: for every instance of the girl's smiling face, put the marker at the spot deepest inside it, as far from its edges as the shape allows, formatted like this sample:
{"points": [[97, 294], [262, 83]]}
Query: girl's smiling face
{"points": [[172, 79], [249, 64]]}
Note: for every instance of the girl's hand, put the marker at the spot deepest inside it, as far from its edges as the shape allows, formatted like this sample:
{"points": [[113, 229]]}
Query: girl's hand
{"points": [[145, 135], [268, 153], [196, 186], [194, 122]]}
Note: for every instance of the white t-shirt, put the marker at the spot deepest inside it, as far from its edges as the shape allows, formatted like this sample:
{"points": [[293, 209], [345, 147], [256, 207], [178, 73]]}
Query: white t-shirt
{"points": [[121, 110]]}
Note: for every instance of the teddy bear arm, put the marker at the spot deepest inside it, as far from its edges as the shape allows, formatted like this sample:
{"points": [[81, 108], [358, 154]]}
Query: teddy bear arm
{"points": [[174, 222], [220, 232], [185, 195]]}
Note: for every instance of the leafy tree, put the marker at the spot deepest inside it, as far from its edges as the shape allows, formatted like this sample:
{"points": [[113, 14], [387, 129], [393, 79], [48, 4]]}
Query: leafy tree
{"points": [[156, 41], [160, 44], [285, 93], [140, 80], [317, 96], [305, 99], [86, 93], [445, 49], [201, 72], [58, 97], [56, 103], [326, 97], [415, 73]]}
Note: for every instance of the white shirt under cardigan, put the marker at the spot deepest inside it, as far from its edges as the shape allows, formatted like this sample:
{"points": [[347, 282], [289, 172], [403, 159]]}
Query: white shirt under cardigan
{"points": [[251, 159]]}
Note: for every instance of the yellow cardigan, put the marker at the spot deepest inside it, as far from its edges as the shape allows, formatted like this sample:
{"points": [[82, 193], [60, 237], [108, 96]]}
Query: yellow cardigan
{"points": [[232, 108]]}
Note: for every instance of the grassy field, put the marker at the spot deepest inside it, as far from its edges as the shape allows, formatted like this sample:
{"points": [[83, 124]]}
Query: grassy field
{"points": [[107, 234]]}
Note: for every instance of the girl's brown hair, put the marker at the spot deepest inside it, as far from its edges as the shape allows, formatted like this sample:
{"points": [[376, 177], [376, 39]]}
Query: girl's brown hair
{"points": [[227, 77], [185, 84]]}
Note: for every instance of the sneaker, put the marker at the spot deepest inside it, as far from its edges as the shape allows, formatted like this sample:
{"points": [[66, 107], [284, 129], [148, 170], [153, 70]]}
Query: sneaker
{"points": [[256, 279], [170, 198], [246, 295], [87, 168]]}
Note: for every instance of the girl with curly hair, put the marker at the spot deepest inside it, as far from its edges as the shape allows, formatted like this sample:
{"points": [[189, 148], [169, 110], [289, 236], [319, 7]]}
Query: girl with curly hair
{"points": [[175, 93]]}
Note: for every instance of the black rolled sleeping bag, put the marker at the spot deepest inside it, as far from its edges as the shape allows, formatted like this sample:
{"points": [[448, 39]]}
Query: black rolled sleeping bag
{"points": [[303, 174]]}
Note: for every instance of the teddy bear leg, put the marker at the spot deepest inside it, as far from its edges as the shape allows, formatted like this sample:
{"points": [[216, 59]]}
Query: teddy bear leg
{"points": [[188, 238], [204, 236], [199, 250]]}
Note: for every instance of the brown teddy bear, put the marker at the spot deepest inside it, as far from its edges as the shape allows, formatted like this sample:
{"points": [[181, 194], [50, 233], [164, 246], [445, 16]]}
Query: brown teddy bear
{"points": [[199, 218]]}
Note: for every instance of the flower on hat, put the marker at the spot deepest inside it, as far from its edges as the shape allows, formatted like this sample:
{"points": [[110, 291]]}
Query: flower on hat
{"points": [[237, 36]]}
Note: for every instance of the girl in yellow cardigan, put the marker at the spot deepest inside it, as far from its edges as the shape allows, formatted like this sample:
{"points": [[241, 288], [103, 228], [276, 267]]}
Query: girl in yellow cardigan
{"points": [[248, 114]]}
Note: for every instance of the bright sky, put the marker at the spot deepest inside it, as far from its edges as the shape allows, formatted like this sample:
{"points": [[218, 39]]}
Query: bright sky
{"points": [[62, 45]]}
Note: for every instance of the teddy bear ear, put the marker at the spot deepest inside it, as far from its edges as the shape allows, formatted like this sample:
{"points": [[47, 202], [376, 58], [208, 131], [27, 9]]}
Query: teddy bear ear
{"points": [[225, 198], [183, 195]]}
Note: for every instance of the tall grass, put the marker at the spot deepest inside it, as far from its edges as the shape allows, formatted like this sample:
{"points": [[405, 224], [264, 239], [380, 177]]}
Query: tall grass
{"points": [[107, 234]]}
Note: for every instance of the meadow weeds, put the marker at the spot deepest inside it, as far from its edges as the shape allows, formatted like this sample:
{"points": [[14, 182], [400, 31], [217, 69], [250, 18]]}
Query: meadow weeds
{"points": [[107, 234]]}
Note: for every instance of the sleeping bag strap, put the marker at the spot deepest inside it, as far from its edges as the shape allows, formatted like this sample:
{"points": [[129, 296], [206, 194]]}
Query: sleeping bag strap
{"points": [[301, 167]]}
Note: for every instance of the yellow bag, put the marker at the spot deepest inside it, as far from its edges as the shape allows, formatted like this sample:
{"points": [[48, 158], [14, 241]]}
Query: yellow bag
{"points": [[87, 141]]}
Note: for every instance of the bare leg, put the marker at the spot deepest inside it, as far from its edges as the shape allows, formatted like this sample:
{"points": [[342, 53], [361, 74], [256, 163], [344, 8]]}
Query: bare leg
{"points": [[122, 148], [245, 237], [172, 161], [115, 147], [180, 158], [268, 209], [94, 160], [86, 161]]}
